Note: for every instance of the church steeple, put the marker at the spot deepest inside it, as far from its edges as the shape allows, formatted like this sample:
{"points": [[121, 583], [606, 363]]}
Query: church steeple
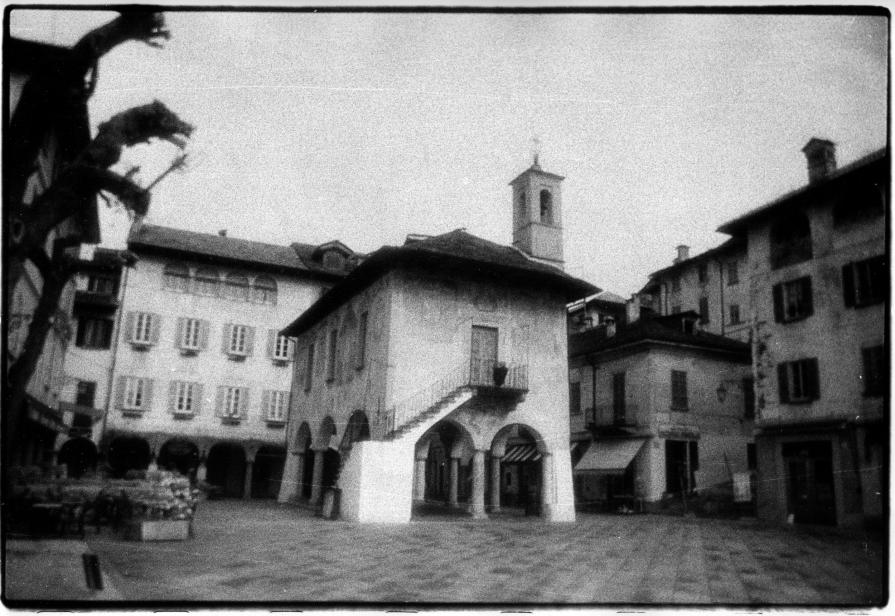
{"points": [[537, 214]]}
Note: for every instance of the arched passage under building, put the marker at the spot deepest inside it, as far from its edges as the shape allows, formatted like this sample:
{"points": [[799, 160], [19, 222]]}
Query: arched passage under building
{"points": [[442, 479], [179, 455], [128, 453], [516, 473], [268, 471], [226, 469], [305, 473], [79, 456]]}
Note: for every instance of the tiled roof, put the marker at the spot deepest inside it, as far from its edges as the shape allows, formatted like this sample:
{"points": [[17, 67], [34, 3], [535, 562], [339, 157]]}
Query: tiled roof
{"points": [[729, 245], [657, 330], [737, 223], [456, 251], [294, 258]]}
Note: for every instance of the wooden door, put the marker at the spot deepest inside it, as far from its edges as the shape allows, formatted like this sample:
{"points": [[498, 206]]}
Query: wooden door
{"points": [[483, 355]]}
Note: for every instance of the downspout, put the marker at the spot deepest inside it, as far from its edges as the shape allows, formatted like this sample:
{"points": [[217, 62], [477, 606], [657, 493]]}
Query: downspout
{"points": [[116, 336]]}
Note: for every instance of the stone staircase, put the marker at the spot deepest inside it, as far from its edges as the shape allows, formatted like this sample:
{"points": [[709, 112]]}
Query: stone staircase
{"points": [[436, 411]]}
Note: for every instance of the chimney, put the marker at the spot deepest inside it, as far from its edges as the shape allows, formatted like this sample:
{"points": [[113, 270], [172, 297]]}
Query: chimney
{"points": [[632, 309], [683, 253], [821, 155], [222, 233], [610, 326]]}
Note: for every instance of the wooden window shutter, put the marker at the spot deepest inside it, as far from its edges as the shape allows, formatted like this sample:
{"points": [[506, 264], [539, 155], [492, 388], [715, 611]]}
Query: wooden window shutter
{"points": [[119, 392], [243, 402], [147, 394], [848, 284], [813, 376], [219, 401], [172, 396], [291, 348], [197, 398], [783, 381], [807, 296], [130, 323], [155, 325], [271, 342], [225, 339], [181, 326], [203, 335], [778, 302], [250, 340], [265, 403]]}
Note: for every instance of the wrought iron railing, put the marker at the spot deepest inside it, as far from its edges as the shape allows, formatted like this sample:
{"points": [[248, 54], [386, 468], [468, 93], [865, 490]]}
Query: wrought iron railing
{"points": [[501, 377]]}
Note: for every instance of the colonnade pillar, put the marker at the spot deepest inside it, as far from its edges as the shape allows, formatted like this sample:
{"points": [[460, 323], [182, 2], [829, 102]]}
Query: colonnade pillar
{"points": [[495, 482], [419, 480], [317, 480], [477, 506]]}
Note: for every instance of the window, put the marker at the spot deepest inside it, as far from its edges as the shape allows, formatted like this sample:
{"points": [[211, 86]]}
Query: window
{"points": [[751, 457], [618, 398], [792, 300], [875, 371], [207, 282], [703, 310], [275, 405], [177, 277], [678, 390], [192, 334], [134, 393], [790, 240], [575, 398], [309, 368], [748, 397], [236, 286], [184, 397], [94, 333], [281, 347], [522, 205], [362, 340], [238, 340], [734, 310], [86, 393], [703, 273], [546, 207], [232, 402], [264, 290], [143, 327], [864, 282], [798, 381], [331, 355], [733, 273], [101, 284]]}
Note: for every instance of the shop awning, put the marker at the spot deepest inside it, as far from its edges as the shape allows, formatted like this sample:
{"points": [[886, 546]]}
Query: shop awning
{"points": [[610, 456], [521, 453]]}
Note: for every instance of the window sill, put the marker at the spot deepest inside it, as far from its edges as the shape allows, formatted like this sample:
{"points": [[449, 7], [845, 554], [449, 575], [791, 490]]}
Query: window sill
{"points": [[140, 346], [800, 401], [787, 320], [276, 423], [182, 415], [280, 362], [231, 421], [132, 412], [875, 302], [235, 357], [189, 352]]}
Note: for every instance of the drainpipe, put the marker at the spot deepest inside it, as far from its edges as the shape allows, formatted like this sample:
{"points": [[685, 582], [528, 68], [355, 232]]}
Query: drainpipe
{"points": [[116, 336]]}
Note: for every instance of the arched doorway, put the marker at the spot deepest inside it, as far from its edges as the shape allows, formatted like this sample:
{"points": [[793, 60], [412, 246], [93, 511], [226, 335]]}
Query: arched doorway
{"points": [[128, 453], [179, 455], [78, 455], [358, 429], [267, 472], [331, 458], [226, 469], [516, 472], [444, 458], [303, 446]]}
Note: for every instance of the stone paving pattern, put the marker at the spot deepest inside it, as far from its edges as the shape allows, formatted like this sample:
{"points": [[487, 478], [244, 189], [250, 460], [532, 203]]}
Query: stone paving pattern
{"points": [[261, 551]]}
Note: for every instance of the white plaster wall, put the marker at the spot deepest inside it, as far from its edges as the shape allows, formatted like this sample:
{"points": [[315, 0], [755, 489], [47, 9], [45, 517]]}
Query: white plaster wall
{"points": [[377, 481]]}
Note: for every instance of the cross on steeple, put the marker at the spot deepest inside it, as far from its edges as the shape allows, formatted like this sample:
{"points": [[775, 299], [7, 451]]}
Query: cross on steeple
{"points": [[535, 151]]}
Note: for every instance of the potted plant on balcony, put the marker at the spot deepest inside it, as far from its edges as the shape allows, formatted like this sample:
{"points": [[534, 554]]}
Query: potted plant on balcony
{"points": [[500, 373]]}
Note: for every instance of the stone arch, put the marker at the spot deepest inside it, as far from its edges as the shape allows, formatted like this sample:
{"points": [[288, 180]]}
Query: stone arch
{"points": [[357, 429], [181, 455], [268, 471], [128, 453], [546, 207], [79, 455], [326, 433], [517, 474], [442, 467], [226, 466]]}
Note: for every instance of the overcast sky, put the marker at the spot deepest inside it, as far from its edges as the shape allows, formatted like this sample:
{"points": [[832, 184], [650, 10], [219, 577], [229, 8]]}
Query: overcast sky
{"points": [[365, 127]]}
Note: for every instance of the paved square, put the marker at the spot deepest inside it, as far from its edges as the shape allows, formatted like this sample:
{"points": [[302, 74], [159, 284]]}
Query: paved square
{"points": [[259, 551]]}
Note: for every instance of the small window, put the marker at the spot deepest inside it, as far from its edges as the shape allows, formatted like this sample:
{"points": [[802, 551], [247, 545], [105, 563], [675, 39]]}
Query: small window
{"points": [[86, 393], [703, 273], [798, 381], [275, 406], [734, 310], [94, 333], [232, 402], [875, 371], [679, 400], [309, 368], [239, 340], [790, 240], [618, 398], [362, 340], [101, 284], [192, 334], [144, 328], [793, 300], [331, 355], [282, 348], [546, 207], [134, 393], [575, 398], [748, 398], [522, 207], [864, 282], [703, 310], [207, 282], [236, 286], [177, 277], [185, 397], [733, 273], [264, 290]]}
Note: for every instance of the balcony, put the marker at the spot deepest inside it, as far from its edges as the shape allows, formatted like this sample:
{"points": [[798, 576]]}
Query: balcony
{"points": [[95, 300], [604, 421], [498, 379]]}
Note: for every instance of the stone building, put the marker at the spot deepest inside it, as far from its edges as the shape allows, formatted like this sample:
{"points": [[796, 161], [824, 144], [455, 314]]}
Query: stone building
{"points": [[817, 274], [658, 408], [201, 376], [435, 372]]}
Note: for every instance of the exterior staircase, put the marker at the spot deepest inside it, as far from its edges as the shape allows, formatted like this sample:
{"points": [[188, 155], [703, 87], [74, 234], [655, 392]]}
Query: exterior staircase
{"points": [[434, 413]]}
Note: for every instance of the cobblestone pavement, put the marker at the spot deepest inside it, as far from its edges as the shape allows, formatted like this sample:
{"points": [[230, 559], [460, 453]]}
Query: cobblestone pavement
{"points": [[259, 551]]}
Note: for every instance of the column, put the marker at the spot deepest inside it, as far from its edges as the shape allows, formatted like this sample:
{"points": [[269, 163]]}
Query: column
{"points": [[316, 491], [247, 484], [495, 483], [419, 480], [299, 474], [477, 506], [455, 471], [202, 470], [546, 484]]}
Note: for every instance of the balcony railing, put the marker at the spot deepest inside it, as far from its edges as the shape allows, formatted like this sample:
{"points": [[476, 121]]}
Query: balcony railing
{"points": [[96, 299], [606, 416]]}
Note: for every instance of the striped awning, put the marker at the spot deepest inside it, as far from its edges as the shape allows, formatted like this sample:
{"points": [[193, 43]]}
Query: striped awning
{"points": [[521, 453], [611, 457]]}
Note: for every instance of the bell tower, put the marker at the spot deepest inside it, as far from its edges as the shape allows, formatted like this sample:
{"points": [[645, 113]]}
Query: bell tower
{"points": [[537, 214]]}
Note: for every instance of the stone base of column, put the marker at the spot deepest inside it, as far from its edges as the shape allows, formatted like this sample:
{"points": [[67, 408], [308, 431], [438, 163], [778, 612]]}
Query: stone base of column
{"points": [[558, 513], [479, 515]]}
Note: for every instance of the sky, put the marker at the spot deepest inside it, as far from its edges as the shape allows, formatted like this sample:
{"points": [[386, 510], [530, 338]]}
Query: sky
{"points": [[365, 127]]}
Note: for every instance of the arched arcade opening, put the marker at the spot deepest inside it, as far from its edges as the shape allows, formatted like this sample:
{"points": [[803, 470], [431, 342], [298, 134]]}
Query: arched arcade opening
{"points": [[79, 456]]}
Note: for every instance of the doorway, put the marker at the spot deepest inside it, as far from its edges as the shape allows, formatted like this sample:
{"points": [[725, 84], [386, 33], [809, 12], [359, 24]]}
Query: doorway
{"points": [[809, 478], [483, 355]]}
